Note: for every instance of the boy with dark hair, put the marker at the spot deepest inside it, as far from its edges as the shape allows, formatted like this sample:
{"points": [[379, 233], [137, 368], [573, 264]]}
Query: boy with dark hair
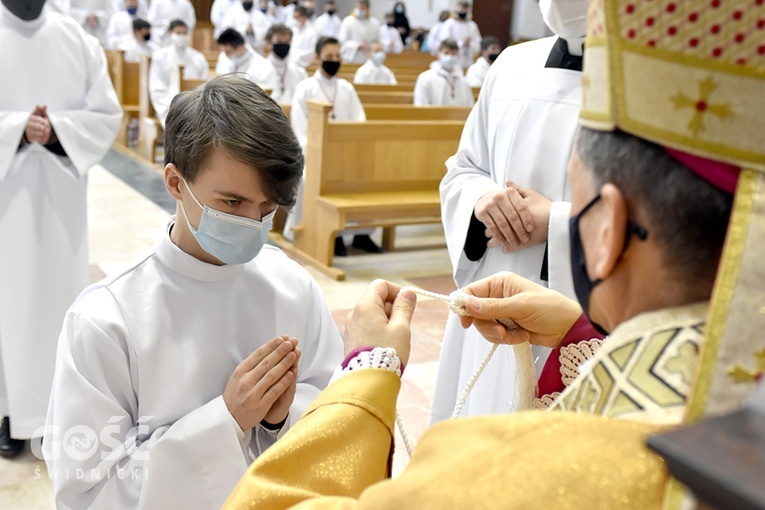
{"points": [[140, 43], [236, 57], [325, 87], [285, 74], [490, 50], [185, 367], [443, 84]]}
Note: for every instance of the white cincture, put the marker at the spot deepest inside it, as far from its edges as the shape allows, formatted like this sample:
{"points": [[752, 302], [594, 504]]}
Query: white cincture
{"points": [[525, 370]]}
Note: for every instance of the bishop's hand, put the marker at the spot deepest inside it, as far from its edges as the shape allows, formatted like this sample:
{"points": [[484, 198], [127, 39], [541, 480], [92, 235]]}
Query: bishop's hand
{"points": [[381, 318], [543, 316], [260, 380]]}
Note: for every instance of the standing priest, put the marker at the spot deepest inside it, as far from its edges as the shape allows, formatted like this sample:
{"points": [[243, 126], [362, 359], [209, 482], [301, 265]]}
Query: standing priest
{"points": [[51, 133]]}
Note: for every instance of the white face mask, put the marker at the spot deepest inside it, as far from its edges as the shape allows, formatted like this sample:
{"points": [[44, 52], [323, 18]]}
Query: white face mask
{"points": [[378, 57], [447, 61], [229, 238], [361, 14], [567, 18], [180, 41]]}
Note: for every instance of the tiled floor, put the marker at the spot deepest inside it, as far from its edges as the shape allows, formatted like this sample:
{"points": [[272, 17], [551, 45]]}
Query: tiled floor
{"points": [[128, 206]]}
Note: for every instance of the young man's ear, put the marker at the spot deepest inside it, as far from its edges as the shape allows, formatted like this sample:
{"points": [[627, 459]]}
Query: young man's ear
{"points": [[173, 180], [611, 232]]}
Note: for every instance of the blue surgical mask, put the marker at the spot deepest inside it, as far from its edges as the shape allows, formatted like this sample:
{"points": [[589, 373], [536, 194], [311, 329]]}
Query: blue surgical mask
{"points": [[447, 61], [361, 14], [132, 10], [378, 57], [229, 238]]}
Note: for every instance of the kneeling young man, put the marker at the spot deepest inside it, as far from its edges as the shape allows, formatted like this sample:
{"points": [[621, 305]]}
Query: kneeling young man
{"points": [[181, 370]]}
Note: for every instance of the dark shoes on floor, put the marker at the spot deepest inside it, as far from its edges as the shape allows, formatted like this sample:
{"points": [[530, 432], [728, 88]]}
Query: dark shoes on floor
{"points": [[364, 242], [9, 447], [340, 250]]}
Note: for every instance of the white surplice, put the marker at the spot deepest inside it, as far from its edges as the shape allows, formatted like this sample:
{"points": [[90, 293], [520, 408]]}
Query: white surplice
{"points": [[435, 36], [154, 347], [50, 62], [460, 30], [390, 38], [354, 32], [372, 73], [101, 9], [239, 64], [162, 85], [218, 11], [119, 29], [327, 26], [347, 107], [252, 24], [303, 46], [162, 12], [476, 73], [439, 87], [522, 129], [284, 79], [135, 49]]}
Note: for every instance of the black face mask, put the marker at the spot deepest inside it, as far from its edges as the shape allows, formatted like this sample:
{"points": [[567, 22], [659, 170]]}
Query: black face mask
{"points": [[147, 36], [462, 15], [390, 24], [247, 6], [281, 50], [25, 9], [331, 12], [331, 67], [583, 286], [493, 57]]}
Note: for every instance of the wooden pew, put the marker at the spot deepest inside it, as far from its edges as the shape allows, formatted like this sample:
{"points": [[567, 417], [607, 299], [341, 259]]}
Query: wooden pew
{"points": [[125, 78], [409, 112], [370, 174], [386, 97], [150, 129]]}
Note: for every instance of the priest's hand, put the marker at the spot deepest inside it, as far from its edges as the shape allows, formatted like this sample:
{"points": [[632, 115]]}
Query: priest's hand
{"points": [[381, 318], [281, 408], [539, 208], [543, 316], [259, 381], [506, 217]]}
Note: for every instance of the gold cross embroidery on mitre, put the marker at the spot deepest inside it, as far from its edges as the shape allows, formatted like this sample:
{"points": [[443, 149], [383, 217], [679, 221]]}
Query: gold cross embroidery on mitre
{"points": [[702, 105]]}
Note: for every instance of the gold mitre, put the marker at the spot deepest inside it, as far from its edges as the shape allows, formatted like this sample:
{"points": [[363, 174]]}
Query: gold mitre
{"points": [[690, 75]]}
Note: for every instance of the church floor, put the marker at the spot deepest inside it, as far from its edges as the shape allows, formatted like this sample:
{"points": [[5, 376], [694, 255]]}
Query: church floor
{"points": [[128, 206]]}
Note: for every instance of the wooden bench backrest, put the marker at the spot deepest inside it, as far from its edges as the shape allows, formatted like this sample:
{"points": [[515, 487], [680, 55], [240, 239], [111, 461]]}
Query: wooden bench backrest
{"points": [[387, 97], [409, 112], [377, 156], [131, 77]]}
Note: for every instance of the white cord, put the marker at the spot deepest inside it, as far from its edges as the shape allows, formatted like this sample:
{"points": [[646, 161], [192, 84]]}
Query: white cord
{"points": [[404, 436], [471, 382]]}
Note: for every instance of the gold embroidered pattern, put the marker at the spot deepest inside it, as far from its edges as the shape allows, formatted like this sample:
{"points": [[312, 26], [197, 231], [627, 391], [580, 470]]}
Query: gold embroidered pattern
{"points": [[702, 105], [743, 375]]}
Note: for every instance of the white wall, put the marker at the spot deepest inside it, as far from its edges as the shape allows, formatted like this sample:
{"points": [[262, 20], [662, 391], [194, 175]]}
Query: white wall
{"points": [[527, 21]]}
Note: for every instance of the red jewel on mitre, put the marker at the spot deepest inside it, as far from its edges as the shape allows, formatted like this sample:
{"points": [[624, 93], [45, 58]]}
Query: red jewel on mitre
{"points": [[720, 175]]}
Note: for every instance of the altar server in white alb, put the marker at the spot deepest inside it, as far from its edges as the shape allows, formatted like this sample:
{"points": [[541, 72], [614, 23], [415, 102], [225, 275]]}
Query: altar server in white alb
{"points": [[374, 70], [465, 31], [328, 24], [249, 22], [119, 29], [390, 37], [522, 130], [140, 43], [303, 46], [163, 12], [193, 361], [218, 11], [443, 84], [94, 16], [51, 132], [285, 75], [357, 32], [324, 86], [164, 78], [235, 56], [490, 50]]}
